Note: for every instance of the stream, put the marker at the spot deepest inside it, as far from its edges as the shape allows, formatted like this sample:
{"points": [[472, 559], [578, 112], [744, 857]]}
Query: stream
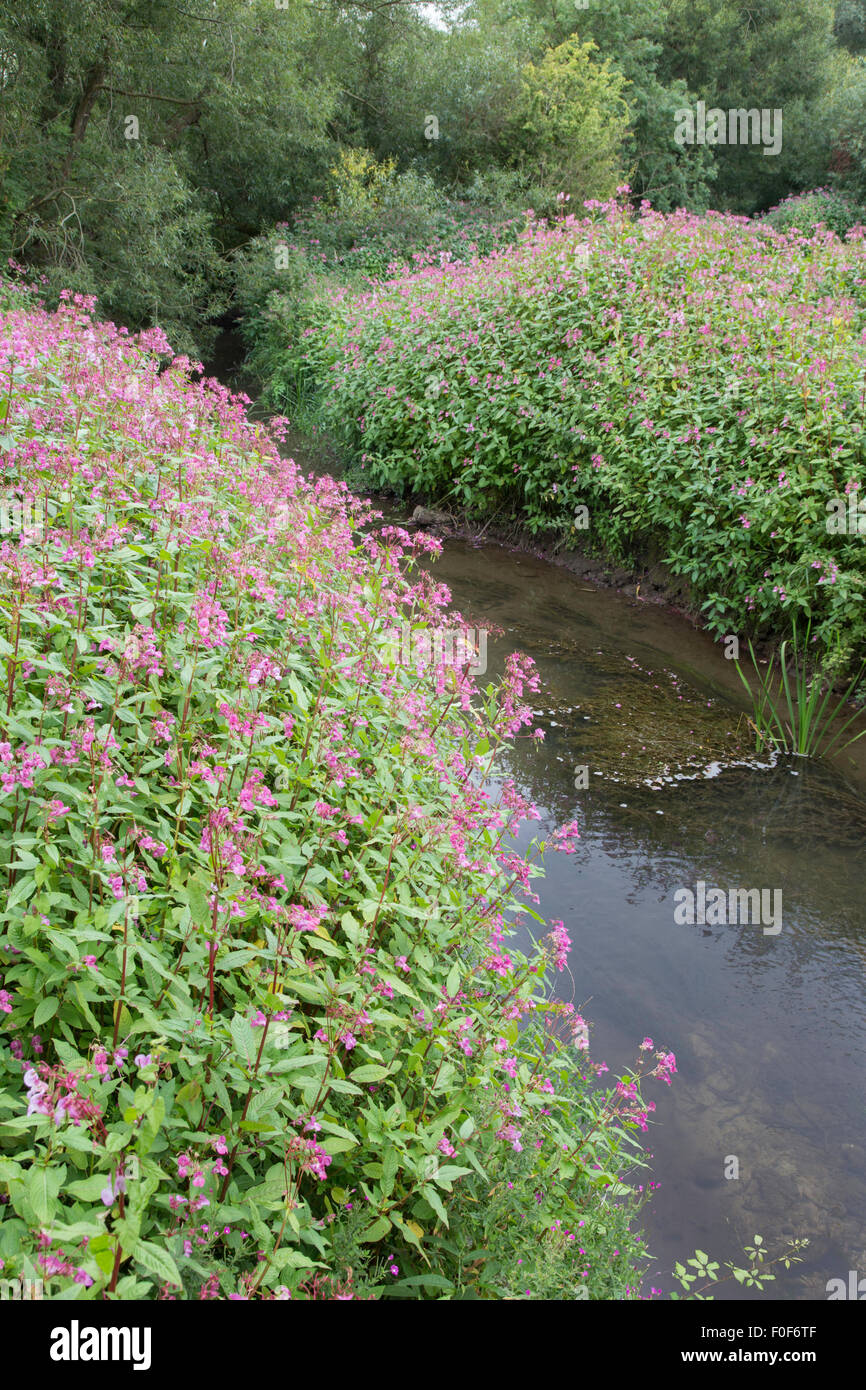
{"points": [[767, 1025], [766, 1020]]}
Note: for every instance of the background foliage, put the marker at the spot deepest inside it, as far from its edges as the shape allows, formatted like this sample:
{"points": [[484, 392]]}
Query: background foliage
{"points": [[244, 108], [695, 383]]}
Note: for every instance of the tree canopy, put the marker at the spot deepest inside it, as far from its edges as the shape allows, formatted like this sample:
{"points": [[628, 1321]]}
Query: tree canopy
{"points": [[143, 141]]}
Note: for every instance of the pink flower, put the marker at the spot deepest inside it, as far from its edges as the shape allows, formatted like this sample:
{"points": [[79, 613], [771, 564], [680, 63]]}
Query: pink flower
{"points": [[560, 944], [112, 1190], [667, 1064]]}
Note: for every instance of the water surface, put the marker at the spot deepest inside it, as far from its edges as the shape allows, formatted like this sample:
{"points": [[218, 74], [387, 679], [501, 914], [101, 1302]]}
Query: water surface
{"points": [[768, 1028]]}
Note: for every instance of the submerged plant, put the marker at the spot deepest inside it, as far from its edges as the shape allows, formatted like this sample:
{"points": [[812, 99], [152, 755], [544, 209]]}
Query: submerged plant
{"points": [[792, 709], [754, 1275]]}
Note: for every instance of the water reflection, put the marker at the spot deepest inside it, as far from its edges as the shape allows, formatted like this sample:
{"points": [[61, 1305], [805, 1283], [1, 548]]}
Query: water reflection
{"points": [[768, 1030]]}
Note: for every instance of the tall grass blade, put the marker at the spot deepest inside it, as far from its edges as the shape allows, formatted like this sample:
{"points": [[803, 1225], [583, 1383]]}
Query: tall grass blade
{"points": [[793, 713]]}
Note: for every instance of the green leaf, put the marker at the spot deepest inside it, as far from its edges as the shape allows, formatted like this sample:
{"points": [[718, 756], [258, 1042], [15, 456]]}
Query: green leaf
{"points": [[312, 993], [390, 1166], [343, 1087], [189, 1096], [45, 1009], [293, 1259], [88, 1189], [43, 1184], [378, 1229], [197, 898], [245, 1039], [157, 1261], [21, 889], [430, 1281], [335, 1145], [264, 1100], [449, 1171], [370, 1071], [432, 1196]]}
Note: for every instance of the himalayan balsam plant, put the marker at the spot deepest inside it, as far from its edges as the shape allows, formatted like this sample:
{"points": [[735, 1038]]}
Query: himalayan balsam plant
{"points": [[263, 1032], [695, 383]]}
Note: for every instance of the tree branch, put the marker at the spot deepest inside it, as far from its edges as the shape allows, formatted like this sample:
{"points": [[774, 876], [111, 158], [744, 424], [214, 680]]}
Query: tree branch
{"points": [[149, 96]]}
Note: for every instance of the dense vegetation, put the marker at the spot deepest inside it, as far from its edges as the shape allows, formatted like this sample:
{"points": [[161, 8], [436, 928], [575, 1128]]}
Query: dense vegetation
{"points": [[689, 388], [143, 143], [265, 1032], [268, 1032]]}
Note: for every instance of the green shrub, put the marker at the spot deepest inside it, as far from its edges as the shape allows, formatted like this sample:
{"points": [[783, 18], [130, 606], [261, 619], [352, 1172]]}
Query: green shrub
{"points": [[265, 1029], [284, 280], [805, 212], [693, 383]]}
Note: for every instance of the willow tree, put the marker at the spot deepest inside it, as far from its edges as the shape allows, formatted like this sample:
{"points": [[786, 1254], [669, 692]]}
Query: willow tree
{"points": [[140, 139]]}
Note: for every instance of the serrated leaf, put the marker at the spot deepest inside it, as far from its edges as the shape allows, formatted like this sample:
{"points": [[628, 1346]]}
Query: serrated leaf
{"points": [[43, 1184], [88, 1189], [244, 1038], [343, 1087], [370, 1071], [157, 1261], [45, 1009]]}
